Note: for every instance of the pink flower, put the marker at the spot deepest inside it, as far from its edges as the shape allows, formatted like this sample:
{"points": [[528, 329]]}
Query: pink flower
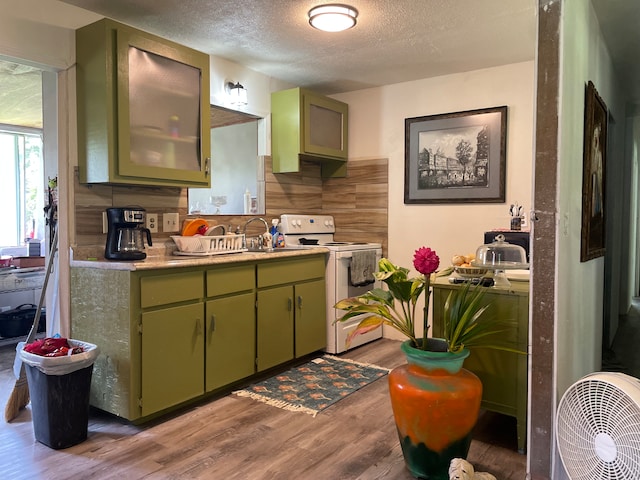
{"points": [[425, 260]]}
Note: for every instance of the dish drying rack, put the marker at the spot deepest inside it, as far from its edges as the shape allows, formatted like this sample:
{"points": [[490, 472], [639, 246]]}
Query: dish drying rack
{"points": [[204, 245]]}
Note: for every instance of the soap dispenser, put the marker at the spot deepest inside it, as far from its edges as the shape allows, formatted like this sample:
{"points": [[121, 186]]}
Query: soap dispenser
{"points": [[274, 232]]}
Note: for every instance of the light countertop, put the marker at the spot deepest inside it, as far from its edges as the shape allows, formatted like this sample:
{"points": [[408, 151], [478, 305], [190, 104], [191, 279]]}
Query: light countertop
{"points": [[157, 258]]}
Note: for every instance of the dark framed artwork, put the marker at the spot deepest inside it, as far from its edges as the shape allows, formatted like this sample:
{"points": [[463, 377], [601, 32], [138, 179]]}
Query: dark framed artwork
{"points": [[456, 157], [593, 175]]}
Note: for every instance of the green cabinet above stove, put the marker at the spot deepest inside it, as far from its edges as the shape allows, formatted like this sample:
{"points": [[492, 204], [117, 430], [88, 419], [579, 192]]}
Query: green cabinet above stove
{"points": [[308, 126]]}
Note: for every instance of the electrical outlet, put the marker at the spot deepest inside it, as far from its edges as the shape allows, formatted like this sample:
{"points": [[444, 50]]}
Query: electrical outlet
{"points": [[170, 222], [105, 224], [152, 222]]}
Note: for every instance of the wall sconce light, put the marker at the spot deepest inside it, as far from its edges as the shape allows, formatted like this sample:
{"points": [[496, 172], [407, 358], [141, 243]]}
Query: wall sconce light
{"points": [[333, 17], [236, 94]]}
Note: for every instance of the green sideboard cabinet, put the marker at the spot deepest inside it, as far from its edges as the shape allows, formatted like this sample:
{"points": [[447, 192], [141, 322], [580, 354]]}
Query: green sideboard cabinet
{"points": [[503, 374], [308, 126], [143, 108], [169, 336]]}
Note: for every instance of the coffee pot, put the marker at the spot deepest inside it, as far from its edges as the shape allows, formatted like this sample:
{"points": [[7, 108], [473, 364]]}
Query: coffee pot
{"points": [[126, 234]]}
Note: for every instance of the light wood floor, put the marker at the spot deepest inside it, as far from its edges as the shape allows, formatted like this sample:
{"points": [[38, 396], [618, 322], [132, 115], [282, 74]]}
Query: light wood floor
{"points": [[239, 438]]}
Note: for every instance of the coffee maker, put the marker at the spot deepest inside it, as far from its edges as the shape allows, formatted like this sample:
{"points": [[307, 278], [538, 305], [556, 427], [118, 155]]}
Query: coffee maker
{"points": [[125, 230]]}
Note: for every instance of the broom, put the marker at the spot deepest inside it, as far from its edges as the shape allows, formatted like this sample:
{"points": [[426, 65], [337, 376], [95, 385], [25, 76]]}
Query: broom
{"points": [[20, 394]]}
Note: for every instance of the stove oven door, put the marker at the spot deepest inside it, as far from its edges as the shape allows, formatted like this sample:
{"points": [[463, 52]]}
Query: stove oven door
{"points": [[339, 287]]}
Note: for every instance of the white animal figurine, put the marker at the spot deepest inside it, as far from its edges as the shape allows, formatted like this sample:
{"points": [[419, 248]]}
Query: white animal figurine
{"points": [[460, 469]]}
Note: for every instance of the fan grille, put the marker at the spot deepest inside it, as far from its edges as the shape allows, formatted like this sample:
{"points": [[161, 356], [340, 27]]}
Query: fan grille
{"points": [[598, 429]]}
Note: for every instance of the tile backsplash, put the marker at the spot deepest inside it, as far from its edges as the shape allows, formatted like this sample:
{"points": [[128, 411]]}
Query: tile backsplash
{"points": [[358, 202]]}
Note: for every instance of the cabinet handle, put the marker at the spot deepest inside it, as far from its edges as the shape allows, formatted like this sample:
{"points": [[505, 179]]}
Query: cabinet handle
{"points": [[199, 329], [299, 301], [289, 303], [207, 163], [212, 323]]}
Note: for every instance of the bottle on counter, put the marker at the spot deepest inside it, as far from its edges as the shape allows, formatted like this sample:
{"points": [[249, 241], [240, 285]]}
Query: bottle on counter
{"points": [[274, 232], [247, 201]]}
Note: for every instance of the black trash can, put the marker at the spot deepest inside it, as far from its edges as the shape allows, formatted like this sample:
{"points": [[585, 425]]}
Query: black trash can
{"points": [[60, 406], [59, 389]]}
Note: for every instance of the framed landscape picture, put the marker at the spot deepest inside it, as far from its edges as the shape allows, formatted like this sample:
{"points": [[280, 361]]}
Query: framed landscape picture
{"points": [[593, 170], [456, 157]]}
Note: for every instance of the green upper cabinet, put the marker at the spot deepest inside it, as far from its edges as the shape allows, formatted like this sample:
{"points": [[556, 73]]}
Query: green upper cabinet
{"points": [[308, 126], [143, 108]]}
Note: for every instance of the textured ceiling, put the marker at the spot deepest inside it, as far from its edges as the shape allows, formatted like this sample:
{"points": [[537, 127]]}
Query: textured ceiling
{"points": [[20, 95], [394, 40]]}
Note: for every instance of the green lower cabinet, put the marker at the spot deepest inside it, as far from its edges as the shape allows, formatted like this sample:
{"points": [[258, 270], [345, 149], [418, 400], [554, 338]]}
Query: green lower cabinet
{"points": [[310, 318], [230, 340], [172, 356], [172, 335], [275, 327]]}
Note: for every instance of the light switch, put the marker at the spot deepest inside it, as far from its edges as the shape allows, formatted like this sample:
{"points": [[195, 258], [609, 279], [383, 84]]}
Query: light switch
{"points": [[170, 222]]}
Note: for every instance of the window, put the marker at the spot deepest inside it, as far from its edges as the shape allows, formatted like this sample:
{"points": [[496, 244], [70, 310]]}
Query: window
{"points": [[21, 185]]}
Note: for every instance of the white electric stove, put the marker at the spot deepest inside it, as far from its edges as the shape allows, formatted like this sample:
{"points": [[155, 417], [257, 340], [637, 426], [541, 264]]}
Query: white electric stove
{"points": [[308, 231]]}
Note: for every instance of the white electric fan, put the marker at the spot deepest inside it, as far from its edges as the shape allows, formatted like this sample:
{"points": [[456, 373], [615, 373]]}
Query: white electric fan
{"points": [[598, 427]]}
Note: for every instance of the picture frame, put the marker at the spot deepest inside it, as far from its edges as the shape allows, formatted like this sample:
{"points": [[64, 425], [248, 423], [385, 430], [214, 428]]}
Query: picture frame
{"points": [[456, 157], [592, 244]]}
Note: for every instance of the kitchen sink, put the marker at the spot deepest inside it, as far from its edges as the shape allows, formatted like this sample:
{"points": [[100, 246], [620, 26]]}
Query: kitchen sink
{"points": [[274, 250]]}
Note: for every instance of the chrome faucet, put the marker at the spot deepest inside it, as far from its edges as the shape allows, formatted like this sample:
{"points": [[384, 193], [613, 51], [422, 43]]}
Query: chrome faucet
{"points": [[255, 219], [256, 243]]}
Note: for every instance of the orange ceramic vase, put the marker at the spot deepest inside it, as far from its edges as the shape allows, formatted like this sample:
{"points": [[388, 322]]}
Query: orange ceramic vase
{"points": [[435, 404]]}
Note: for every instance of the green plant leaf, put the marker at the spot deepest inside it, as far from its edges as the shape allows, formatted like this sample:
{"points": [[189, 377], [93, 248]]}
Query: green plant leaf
{"points": [[366, 325]]}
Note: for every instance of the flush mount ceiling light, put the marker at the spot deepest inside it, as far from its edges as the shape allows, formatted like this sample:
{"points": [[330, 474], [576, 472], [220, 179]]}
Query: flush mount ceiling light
{"points": [[332, 17]]}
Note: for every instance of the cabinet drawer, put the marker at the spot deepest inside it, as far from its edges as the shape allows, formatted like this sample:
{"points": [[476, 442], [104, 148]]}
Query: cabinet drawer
{"points": [[290, 271], [225, 280], [171, 288]]}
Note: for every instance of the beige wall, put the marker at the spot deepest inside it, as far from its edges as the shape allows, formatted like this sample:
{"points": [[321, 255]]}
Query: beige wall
{"points": [[580, 285], [376, 121]]}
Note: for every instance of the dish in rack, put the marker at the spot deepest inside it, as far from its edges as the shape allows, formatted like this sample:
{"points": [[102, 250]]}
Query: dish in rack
{"points": [[201, 245]]}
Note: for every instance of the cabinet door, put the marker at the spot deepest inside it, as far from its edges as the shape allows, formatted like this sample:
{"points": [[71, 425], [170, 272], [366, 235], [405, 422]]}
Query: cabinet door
{"points": [[274, 327], [172, 356], [310, 317], [230, 340], [503, 374], [290, 270], [143, 108], [308, 126], [325, 126], [160, 110]]}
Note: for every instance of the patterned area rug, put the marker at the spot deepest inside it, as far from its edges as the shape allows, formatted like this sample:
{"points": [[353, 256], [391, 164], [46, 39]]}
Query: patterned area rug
{"points": [[314, 386]]}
